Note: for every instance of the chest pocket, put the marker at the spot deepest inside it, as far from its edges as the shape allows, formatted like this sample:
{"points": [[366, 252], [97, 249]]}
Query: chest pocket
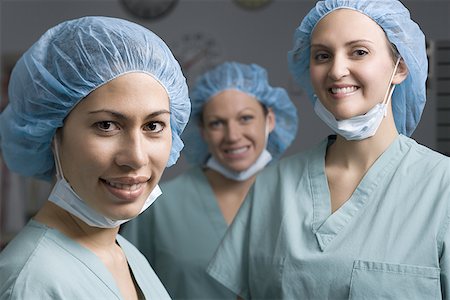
{"points": [[374, 280]]}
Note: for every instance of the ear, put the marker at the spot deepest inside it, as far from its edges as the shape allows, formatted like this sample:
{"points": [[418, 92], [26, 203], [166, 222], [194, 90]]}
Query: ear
{"points": [[401, 73], [270, 118]]}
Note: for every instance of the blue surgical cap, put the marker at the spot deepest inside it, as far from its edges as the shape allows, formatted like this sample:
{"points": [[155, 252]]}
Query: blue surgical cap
{"points": [[252, 80], [409, 97], [68, 62]]}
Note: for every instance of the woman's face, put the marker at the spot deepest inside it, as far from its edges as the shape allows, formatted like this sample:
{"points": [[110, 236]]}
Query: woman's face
{"points": [[351, 63], [115, 144], [235, 128]]}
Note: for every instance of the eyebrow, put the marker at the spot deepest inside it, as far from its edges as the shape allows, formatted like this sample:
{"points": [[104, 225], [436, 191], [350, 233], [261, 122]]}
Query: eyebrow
{"points": [[239, 112], [346, 44], [122, 116]]}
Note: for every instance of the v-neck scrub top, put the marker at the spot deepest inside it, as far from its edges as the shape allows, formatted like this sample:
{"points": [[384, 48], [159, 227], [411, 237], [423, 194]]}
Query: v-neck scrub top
{"points": [[388, 241], [179, 234], [42, 263]]}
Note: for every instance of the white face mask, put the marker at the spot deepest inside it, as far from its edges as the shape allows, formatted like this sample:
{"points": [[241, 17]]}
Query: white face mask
{"points": [[362, 126], [264, 158], [65, 197]]}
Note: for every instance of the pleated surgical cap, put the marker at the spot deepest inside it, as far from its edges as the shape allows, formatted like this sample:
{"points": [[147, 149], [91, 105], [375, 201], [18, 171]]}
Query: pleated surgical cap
{"points": [[252, 80], [67, 63], [409, 97]]}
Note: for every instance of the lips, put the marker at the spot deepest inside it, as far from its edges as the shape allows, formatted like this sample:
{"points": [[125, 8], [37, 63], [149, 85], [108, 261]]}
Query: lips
{"points": [[237, 150], [127, 188], [343, 90]]}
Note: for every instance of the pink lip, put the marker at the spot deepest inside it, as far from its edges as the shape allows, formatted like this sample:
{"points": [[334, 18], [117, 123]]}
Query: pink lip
{"points": [[342, 86], [126, 188], [239, 155]]}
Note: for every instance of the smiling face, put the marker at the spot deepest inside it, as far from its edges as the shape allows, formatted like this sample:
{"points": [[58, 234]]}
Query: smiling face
{"points": [[351, 63], [234, 127], [115, 144]]}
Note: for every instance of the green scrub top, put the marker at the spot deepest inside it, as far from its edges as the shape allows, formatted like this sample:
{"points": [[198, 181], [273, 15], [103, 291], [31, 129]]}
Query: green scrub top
{"points": [[42, 263], [388, 241], [179, 234]]}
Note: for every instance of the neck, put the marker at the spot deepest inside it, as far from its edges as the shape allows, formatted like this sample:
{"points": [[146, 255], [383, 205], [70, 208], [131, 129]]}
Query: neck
{"points": [[362, 154], [93, 238]]}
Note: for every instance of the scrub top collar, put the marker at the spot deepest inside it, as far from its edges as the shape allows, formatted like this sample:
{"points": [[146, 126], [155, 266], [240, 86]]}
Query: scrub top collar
{"points": [[326, 226]]}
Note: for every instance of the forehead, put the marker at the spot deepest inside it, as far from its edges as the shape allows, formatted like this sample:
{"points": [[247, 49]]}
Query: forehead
{"points": [[347, 23], [132, 93], [230, 101]]}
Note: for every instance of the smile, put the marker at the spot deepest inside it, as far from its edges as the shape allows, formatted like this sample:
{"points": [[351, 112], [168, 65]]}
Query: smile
{"points": [[128, 187], [343, 90], [127, 190], [237, 150]]}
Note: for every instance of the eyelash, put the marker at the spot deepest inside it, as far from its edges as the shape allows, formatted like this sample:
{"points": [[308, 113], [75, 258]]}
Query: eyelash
{"points": [[162, 124], [358, 52], [320, 57], [216, 123], [98, 125]]}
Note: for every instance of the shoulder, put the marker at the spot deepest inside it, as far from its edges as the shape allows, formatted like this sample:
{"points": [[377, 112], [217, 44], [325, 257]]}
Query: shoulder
{"points": [[293, 168], [423, 158], [183, 182], [194, 173], [31, 263]]}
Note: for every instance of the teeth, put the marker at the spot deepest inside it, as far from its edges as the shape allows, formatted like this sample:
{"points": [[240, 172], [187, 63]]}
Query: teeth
{"points": [[237, 151], [128, 187], [345, 90]]}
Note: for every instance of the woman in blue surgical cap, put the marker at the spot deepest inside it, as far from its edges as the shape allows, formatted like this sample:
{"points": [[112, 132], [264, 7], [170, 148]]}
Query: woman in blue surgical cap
{"points": [[364, 214], [239, 125], [100, 103]]}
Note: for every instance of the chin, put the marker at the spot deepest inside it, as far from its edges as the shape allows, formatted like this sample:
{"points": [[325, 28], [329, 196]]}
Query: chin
{"points": [[125, 214], [238, 168]]}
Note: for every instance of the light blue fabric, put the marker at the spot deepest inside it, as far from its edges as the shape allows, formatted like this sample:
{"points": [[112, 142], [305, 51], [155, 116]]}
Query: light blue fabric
{"points": [[390, 240], [179, 234], [251, 79], [409, 97], [67, 63], [42, 263]]}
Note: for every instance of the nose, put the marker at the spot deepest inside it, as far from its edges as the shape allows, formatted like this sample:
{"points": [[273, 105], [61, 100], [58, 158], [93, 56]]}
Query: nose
{"points": [[133, 151], [232, 132], [339, 68]]}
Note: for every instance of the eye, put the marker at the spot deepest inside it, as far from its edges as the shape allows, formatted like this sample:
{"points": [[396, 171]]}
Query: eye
{"points": [[106, 126], [247, 118], [321, 56], [360, 52], [155, 127], [215, 124]]}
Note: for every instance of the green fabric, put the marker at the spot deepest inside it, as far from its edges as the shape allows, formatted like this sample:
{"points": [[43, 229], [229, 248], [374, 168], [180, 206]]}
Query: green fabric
{"points": [[42, 263], [179, 234], [388, 241]]}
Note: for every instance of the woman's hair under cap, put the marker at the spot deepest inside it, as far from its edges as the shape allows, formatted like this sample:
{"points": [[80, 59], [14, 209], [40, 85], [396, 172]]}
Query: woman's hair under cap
{"points": [[252, 80], [393, 17], [68, 62]]}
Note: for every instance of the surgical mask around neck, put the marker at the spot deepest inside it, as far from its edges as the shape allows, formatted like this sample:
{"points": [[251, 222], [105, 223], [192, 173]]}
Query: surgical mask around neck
{"points": [[362, 126], [65, 197], [263, 159]]}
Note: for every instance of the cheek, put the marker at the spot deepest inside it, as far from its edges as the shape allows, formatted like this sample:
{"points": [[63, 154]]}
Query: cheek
{"points": [[212, 138], [160, 151], [316, 75]]}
